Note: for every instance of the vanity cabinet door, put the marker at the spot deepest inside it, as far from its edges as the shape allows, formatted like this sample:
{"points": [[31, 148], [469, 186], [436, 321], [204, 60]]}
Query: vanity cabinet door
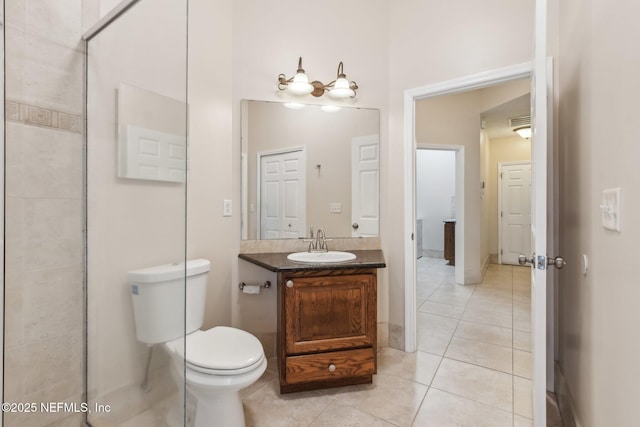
{"points": [[325, 313]]}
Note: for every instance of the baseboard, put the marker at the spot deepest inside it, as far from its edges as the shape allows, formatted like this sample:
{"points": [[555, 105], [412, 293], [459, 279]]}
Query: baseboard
{"points": [[493, 258], [383, 334], [565, 401], [433, 253], [485, 266], [396, 336]]}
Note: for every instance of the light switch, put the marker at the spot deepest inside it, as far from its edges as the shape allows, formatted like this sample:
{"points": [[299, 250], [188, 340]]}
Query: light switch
{"points": [[335, 207], [611, 209], [226, 211]]}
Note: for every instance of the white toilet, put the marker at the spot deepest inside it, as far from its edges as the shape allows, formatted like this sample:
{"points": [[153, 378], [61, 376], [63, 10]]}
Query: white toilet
{"points": [[219, 362]]}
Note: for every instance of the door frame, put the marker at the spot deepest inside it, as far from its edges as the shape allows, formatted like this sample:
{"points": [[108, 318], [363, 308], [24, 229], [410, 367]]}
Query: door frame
{"points": [[500, 166], [449, 87], [259, 156]]}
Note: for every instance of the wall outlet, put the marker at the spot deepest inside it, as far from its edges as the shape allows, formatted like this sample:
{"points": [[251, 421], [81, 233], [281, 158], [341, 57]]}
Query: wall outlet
{"points": [[335, 207], [226, 210], [611, 209]]}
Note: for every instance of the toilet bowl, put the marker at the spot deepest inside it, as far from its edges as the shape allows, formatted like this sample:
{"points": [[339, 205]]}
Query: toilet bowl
{"points": [[218, 364], [214, 364]]}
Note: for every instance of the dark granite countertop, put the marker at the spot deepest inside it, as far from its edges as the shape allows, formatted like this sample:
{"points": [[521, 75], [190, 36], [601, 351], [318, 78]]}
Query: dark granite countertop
{"points": [[278, 261]]}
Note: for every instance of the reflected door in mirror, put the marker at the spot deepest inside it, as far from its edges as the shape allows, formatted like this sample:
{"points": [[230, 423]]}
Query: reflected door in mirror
{"points": [[282, 195], [364, 186]]}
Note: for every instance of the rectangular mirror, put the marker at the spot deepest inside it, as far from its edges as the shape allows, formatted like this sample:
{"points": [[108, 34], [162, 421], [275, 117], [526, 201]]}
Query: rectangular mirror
{"points": [[309, 166]]}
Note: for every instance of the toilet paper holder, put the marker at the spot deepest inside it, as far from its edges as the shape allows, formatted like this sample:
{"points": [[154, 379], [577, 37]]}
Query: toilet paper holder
{"points": [[266, 284]]}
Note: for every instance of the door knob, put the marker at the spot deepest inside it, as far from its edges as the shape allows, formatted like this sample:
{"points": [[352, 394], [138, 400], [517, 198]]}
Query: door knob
{"points": [[289, 283], [523, 259], [332, 368], [355, 225], [558, 261]]}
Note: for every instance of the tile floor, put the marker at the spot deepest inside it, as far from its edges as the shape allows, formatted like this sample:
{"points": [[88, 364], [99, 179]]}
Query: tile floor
{"points": [[472, 367]]}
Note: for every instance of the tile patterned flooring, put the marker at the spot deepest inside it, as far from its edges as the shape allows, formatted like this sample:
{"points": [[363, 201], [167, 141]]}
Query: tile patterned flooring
{"points": [[472, 367]]}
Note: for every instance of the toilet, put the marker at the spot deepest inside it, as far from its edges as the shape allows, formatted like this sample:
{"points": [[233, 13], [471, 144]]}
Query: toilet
{"points": [[218, 362]]}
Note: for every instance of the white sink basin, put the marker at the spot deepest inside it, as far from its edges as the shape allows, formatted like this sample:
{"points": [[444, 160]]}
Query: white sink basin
{"points": [[321, 257]]}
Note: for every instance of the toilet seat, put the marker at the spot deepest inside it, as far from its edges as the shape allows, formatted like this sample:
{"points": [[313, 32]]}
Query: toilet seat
{"points": [[221, 351]]}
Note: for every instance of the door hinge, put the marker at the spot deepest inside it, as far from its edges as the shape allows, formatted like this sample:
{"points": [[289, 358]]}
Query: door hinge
{"points": [[500, 175], [411, 236], [501, 252], [501, 214]]}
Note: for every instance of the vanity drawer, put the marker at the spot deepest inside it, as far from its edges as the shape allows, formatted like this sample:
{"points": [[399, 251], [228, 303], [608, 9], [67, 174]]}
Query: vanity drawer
{"points": [[329, 366]]}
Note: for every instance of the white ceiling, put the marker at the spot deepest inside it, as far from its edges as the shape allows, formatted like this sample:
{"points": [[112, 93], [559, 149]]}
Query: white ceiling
{"points": [[497, 119]]}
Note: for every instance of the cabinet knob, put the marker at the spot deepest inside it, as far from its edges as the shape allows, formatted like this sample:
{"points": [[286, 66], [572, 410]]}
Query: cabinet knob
{"points": [[289, 283], [332, 368]]}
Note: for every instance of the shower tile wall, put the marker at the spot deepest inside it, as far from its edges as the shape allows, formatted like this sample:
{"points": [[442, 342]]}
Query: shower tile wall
{"points": [[44, 242]]}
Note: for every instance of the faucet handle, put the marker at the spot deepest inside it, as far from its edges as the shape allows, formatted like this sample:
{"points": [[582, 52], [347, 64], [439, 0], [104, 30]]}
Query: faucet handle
{"points": [[311, 232]]}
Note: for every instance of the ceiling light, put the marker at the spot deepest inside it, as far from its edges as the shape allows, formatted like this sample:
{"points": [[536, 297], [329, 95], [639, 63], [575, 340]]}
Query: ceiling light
{"points": [[294, 105], [299, 84], [523, 131], [330, 108]]}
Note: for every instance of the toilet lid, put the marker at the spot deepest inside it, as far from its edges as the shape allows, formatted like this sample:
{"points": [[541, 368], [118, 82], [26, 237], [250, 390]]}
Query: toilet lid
{"points": [[221, 349]]}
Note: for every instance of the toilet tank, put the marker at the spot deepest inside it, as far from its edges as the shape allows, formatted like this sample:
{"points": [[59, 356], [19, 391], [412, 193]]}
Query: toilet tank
{"points": [[159, 300]]}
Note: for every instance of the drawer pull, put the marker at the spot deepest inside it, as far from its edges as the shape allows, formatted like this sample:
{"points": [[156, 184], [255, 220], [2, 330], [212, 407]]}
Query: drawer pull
{"points": [[332, 368], [289, 283]]}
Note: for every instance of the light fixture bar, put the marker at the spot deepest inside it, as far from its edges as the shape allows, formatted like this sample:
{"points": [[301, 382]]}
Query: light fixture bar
{"points": [[299, 85]]}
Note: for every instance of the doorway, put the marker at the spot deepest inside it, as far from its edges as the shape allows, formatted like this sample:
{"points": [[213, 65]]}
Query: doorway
{"points": [[435, 203], [469, 267], [540, 111]]}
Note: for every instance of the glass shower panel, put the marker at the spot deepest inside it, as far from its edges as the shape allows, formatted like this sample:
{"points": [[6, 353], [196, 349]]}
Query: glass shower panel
{"points": [[136, 155]]}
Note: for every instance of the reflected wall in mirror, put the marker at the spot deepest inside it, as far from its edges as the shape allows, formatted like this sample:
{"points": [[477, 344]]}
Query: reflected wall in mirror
{"points": [[309, 166]]}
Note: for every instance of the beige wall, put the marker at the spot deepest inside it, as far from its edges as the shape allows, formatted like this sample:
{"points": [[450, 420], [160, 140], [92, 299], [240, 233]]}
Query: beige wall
{"points": [[509, 149], [598, 149]]}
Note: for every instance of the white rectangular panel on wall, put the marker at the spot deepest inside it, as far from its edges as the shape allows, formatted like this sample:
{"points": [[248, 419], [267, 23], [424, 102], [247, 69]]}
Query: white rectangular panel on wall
{"points": [[152, 155]]}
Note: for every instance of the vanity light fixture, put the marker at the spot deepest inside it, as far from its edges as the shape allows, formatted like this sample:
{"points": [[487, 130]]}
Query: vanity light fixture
{"points": [[299, 84], [523, 132]]}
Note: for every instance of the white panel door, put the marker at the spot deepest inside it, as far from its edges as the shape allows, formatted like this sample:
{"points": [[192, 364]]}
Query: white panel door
{"points": [[283, 195], [541, 177], [515, 211], [365, 167]]}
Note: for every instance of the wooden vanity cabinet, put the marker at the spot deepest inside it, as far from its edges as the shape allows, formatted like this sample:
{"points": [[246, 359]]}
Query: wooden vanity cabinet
{"points": [[326, 328]]}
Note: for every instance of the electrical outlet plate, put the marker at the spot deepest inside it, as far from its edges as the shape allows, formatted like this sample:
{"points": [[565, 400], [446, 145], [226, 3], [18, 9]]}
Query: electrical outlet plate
{"points": [[335, 207], [611, 209]]}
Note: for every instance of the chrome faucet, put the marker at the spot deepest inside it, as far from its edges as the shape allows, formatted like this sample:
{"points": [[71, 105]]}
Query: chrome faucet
{"points": [[319, 244]]}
